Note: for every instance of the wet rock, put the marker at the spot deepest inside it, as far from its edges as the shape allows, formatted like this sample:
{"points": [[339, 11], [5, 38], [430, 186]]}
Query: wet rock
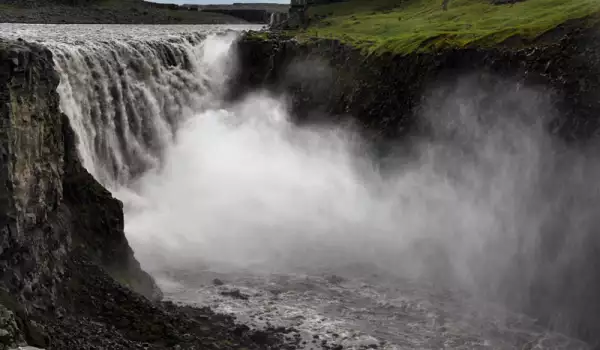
{"points": [[335, 279], [10, 334], [68, 277], [241, 329], [260, 337], [381, 95], [236, 294]]}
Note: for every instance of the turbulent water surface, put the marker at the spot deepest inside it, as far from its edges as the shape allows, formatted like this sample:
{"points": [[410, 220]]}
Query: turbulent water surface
{"points": [[233, 206]]}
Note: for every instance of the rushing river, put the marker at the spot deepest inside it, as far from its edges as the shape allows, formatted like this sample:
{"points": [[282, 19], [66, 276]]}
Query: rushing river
{"points": [[233, 206]]}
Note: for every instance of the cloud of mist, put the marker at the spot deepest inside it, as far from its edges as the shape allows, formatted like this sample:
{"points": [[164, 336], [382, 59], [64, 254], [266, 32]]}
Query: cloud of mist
{"points": [[486, 200], [245, 186]]}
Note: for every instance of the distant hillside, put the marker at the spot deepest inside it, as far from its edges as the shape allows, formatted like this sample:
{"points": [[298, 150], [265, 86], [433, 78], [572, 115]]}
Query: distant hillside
{"points": [[105, 11], [42, 3], [258, 6], [251, 12]]}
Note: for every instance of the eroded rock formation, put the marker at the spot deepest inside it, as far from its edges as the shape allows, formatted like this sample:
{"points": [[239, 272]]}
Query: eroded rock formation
{"points": [[52, 209], [383, 95], [68, 277]]}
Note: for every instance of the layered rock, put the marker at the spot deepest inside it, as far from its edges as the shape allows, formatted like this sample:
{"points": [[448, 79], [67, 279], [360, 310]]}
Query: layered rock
{"points": [[329, 82], [383, 92], [68, 277], [10, 334], [51, 208]]}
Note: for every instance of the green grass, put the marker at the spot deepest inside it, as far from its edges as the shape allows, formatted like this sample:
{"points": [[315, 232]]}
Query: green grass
{"points": [[405, 26]]}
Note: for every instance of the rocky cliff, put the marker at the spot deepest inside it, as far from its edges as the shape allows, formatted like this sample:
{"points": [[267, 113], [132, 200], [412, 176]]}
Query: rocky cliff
{"points": [[68, 277], [52, 209], [384, 94]]}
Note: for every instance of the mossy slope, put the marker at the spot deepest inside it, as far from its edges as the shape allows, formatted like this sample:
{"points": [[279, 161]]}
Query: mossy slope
{"points": [[405, 26]]}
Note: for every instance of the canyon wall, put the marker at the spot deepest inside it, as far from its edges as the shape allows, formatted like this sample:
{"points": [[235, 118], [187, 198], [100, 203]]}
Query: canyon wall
{"points": [[68, 276], [66, 264], [383, 95], [53, 212], [382, 92]]}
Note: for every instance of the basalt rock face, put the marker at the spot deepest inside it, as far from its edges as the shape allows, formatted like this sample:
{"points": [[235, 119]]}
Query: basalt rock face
{"points": [[68, 277], [97, 223], [51, 209], [384, 92], [10, 334], [32, 164], [328, 82]]}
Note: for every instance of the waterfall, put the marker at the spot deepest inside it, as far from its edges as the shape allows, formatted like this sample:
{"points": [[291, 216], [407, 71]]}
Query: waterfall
{"points": [[127, 98], [278, 19], [240, 186], [272, 19]]}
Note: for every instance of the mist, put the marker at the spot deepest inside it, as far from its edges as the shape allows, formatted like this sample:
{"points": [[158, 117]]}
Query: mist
{"points": [[468, 207], [484, 199]]}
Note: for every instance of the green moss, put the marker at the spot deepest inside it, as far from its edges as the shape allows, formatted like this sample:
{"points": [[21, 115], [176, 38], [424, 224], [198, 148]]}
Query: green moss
{"points": [[267, 35], [124, 279], [138, 282], [405, 26], [259, 36]]}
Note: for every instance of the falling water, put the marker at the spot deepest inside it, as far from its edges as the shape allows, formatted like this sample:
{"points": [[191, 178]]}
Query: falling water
{"points": [[302, 219], [127, 99], [127, 92]]}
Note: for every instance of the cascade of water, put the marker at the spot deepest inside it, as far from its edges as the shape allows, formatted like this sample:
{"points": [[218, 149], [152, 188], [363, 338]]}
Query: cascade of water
{"points": [[243, 186], [126, 98]]}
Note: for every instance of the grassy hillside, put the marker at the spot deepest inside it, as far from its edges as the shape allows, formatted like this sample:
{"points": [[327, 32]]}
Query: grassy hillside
{"points": [[404, 26]]}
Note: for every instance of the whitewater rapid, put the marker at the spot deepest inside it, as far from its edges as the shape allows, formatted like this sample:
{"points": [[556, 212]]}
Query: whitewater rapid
{"points": [[310, 230]]}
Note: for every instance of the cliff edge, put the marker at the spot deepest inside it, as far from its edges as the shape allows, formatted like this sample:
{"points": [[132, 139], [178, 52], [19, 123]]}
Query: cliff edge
{"points": [[51, 208], [68, 277], [382, 84]]}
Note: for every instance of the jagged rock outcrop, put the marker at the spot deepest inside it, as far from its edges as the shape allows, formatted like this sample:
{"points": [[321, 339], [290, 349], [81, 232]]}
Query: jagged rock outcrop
{"points": [[48, 193], [31, 172], [10, 334], [68, 277], [50, 208], [383, 92], [329, 82]]}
